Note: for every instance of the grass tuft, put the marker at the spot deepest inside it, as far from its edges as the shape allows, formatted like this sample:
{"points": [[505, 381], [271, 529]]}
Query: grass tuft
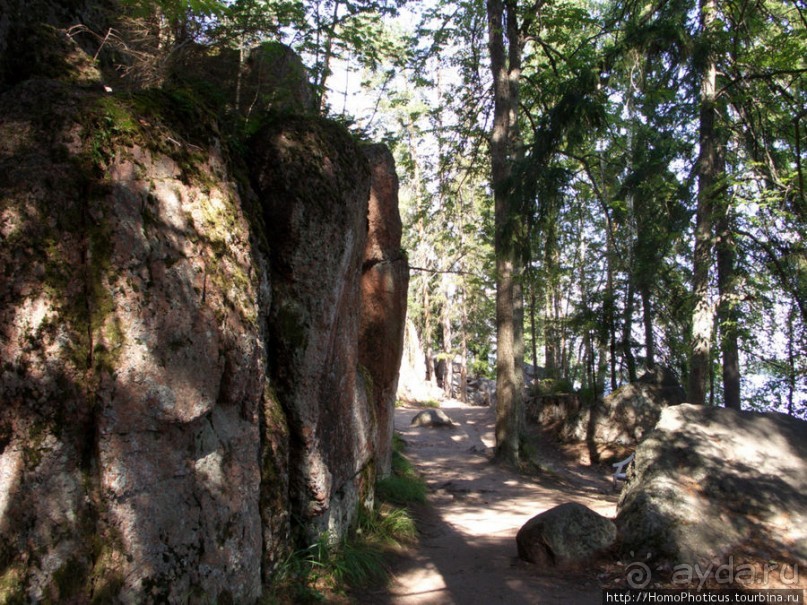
{"points": [[401, 490], [404, 486], [324, 571]]}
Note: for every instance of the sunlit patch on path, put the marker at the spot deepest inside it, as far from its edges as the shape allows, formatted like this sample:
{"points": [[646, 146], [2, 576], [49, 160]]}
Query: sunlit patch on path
{"points": [[467, 550]]}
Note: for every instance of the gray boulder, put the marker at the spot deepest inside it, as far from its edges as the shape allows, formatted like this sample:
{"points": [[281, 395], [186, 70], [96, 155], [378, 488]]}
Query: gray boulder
{"points": [[624, 416], [482, 391], [707, 480], [566, 536], [432, 418], [550, 410]]}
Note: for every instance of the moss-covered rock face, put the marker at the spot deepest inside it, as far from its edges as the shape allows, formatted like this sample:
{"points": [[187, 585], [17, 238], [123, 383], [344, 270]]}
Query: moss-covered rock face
{"points": [[132, 375], [53, 267], [43, 51], [145, 456], [32, 45], [313, 182]]}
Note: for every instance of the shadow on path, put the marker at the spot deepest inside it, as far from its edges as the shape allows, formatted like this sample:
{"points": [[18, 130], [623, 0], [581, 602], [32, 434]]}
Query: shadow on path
{"points": [[467, 550]]}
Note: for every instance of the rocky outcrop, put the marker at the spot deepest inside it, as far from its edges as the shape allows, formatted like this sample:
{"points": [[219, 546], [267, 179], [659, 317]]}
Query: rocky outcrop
{"points": [[709, 480], [267, 77], [567, 536], [555, 410], [133, 365], [313, 183], [481, 391], [384, 286], [180, 381], [617, 422]]}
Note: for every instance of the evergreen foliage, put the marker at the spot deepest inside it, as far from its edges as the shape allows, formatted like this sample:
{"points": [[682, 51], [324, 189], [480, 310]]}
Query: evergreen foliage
{"points": [[603, 185]]}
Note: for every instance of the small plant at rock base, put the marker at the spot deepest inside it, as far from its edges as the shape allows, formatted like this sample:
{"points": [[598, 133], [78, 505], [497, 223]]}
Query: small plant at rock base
{"points": [[401, 490], [323, 571], [357, 563], [429, 403], [404, 486]]}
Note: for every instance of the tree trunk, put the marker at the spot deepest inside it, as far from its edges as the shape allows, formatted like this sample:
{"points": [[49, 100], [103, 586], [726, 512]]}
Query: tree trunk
{"points": [[448, 340], [602, 370], [326, 31], [791, 361], [242, 55], [627, 330], [427, 334], [550, 337], [610, 304], [533, 329], [551, 329], [515, 152], [630, 261], [507, 395], [647, 318], [708, 172], [587, 348], [799, 173], [727, 309], [463, 352], [518, 346]]}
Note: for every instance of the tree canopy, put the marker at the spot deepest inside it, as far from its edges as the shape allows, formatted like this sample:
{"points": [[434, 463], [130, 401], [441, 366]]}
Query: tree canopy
{"points": [[641, 130], [631, 173]]}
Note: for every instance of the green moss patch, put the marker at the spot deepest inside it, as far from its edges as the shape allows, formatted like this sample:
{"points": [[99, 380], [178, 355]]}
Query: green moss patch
{"points": [[12, 587]]}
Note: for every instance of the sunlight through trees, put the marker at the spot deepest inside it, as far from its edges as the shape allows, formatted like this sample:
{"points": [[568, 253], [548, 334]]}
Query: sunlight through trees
{"points": [[620, 182]]}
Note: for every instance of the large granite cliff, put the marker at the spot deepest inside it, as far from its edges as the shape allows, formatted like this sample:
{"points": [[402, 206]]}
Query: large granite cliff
{"points": [[182, 394]]}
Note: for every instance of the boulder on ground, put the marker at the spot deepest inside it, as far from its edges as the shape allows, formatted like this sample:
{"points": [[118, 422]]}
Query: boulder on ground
{"points": [[566, 536], [432, 418], [482, 392], [709, 480], [624, 416]]}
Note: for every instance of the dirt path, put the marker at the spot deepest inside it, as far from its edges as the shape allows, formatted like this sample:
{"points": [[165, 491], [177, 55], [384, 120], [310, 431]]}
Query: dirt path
{"points": [[467, 549]]}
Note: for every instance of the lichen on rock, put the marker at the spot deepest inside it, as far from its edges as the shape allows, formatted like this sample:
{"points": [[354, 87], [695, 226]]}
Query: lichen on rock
{"points": [[132, 384], [181, 380], [313, 183]]}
